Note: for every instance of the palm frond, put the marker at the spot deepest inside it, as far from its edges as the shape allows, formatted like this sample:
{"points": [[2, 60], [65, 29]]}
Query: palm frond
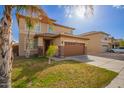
{"points": [[31, 10], [87, 10], [32, 13], [30, 23], [20, 8]]}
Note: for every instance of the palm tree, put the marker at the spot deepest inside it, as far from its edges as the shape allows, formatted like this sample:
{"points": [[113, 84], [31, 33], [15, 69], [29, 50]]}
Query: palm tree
{"points": [[6, 48], [6, 40], [30, 25]]}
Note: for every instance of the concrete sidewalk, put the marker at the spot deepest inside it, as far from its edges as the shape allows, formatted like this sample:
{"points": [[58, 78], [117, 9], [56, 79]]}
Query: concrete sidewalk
{"points": [[107, 63]]}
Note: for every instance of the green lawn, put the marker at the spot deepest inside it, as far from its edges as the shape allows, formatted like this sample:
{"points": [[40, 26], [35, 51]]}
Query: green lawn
{"points": [[36, 72]]}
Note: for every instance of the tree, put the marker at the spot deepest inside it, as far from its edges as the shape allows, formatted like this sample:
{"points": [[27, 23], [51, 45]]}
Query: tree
{"points": [[52, 50], [6, 48], [121, 43], [6, 40], [30, 25]]}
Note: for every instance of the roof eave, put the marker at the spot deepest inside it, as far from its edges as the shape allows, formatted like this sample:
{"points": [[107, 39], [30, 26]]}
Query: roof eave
{"points": [[64, 26]]}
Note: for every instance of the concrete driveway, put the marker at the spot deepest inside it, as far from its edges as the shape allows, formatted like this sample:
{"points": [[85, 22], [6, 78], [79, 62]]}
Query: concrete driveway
{"points": [[118, 56], [107, 63]]}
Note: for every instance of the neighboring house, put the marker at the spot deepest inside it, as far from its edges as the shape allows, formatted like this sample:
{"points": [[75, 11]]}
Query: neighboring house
{"points": [[98, 42], [42, 36], [115, 42]]}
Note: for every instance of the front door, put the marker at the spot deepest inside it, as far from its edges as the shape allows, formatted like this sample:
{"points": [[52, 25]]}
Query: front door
{"points": [[47, 44]]}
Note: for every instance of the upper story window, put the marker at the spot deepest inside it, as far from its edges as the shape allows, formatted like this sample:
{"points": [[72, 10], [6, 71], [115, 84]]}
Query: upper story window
{"points": [[37, 28], [105, 38], [33, 44], [50, 28]]}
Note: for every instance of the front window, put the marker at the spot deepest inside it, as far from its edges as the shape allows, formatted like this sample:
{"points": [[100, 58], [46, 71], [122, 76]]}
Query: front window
{"points": [[35, 43], [31, 44]]}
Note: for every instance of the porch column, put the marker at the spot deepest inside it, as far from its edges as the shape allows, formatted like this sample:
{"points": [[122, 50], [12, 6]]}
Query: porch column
{"points": [[61, 49], [85, 50], [40, 47]]}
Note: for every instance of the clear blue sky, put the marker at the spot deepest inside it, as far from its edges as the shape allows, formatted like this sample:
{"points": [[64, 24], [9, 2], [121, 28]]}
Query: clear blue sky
{"points": [[106, 18]]}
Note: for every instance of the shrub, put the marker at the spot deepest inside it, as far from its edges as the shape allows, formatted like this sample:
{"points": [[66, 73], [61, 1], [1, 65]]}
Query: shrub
{"points": [[52, 50]]}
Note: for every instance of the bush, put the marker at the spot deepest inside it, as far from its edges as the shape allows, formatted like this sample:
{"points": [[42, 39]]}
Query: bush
{"points": [[52, 50]]}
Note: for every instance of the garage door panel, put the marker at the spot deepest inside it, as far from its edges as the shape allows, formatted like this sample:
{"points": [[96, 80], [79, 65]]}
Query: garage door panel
{"points": [[72, 49]]}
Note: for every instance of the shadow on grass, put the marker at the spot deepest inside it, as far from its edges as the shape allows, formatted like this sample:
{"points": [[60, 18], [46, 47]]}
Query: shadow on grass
{"points": [[29, 67]]}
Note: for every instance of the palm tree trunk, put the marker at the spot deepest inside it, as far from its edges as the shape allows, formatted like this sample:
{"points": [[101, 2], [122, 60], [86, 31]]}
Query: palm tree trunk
{"points": [[27, 54], [6, 48]]}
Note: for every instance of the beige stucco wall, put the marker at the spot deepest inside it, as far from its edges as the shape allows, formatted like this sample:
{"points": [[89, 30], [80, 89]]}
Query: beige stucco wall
{"points": [[72, 39], [44, 28], [96, 42], [57, 41], [56, 29], [59, 29], [40, 41], [22, 37], [60, 40], [22, 43]]}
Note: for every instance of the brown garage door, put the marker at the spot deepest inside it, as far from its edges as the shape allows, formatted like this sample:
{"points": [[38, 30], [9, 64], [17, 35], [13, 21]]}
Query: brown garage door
{"points": [[73, 48]]}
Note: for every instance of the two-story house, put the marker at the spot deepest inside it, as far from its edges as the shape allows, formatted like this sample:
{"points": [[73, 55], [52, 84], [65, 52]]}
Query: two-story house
{"points": [[98, 41], [42, 36]]}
